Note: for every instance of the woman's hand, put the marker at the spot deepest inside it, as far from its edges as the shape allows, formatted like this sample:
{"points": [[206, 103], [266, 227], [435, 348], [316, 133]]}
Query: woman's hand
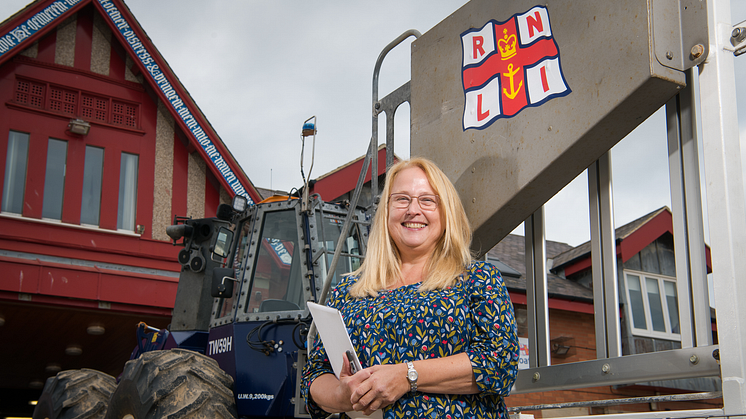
{"points": [[334, 396], [388, 383], [384, 385]]}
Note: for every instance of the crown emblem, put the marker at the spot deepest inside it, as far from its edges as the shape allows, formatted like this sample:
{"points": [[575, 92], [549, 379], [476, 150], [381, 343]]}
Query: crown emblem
{"points": [[507, 45]]}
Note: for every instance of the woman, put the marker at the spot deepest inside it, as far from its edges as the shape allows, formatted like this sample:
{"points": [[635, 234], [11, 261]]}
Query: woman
{"points": [[435, 329]]}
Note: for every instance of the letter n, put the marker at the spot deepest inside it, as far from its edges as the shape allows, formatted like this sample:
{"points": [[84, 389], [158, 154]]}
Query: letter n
{"points": [[534, 22]]}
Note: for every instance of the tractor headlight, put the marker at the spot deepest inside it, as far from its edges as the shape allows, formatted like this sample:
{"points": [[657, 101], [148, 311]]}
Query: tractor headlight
{"points": [[239, 203]]}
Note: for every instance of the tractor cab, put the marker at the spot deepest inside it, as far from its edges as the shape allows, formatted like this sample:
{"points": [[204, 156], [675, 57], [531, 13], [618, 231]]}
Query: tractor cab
{"points": [[279, 258]]}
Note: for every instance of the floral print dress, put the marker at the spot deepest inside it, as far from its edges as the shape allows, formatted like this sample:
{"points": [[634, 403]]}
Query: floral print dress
{"points": [[474, 316]]}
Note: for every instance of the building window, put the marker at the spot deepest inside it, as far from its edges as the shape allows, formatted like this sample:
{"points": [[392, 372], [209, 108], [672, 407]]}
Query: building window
{"points": [[54, 179], [127, 192], [652, 305], [90, 208], [14, 182]]}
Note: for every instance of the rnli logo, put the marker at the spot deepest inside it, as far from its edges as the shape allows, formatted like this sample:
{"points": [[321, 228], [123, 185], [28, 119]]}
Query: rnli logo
{"points": [[508, 66]]}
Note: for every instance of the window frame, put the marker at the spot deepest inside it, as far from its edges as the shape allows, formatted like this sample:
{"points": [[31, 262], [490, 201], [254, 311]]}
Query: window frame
{"points": [[127, 199], [12, 185], [90, 183], [649, 332], [53, 202]]}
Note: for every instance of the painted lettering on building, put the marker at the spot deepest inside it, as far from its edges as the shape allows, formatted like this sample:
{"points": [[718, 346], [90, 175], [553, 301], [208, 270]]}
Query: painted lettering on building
{"points": [[173, 99], [10, 40]]}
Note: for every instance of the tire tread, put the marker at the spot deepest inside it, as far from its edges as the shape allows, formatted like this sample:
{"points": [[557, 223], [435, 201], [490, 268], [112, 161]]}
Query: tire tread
{"points": [[174, 384], [80, 394]]}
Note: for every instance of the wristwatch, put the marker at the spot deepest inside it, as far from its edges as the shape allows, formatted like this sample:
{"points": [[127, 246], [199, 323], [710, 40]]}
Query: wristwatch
{"points": [[412, 377]]}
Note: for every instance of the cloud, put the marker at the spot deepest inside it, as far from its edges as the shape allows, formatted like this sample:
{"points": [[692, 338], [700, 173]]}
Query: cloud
{"points": [[258, 70]]}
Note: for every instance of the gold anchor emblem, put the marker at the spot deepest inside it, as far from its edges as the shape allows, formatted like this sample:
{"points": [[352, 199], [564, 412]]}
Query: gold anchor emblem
{"points": [[513, 91]]}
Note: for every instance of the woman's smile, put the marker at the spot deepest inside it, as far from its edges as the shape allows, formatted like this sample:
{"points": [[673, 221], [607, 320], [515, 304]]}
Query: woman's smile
{"points": [[414, 225], [414, 231]]}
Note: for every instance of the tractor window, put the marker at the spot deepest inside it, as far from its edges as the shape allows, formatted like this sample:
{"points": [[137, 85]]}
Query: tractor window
{"points": [[277, 282], [225, 305], [351, 257]]}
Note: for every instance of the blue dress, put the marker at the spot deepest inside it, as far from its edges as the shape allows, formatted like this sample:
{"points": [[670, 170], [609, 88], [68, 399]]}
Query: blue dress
{"points": [[474, 316]]}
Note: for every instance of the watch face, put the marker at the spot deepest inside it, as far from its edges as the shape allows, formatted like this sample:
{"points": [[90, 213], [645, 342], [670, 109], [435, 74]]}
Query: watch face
{"points": [[412, 375]]}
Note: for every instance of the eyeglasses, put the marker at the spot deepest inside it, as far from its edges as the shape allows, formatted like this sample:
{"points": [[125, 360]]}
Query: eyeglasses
{"points": [[402, 201]]}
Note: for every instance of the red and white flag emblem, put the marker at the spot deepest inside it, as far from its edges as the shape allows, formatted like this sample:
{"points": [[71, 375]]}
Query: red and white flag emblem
{"points": [[508, 66]]}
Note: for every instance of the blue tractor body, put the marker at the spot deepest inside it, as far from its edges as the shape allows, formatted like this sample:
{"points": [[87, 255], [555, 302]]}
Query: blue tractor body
{"points": [[255, 270]]}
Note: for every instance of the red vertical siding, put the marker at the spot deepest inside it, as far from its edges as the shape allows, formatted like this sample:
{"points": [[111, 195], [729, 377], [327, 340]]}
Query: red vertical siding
{"points": [[73, 182], [37, 166], [110, 189], [4, 139], [212, 195], [146, 170], [46, 47], [180, 179], [84, 39], [116, 63]]}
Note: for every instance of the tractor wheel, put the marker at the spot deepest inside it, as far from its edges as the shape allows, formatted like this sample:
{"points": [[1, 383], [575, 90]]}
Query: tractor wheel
{"points": [[175, 383], [75, 394]]}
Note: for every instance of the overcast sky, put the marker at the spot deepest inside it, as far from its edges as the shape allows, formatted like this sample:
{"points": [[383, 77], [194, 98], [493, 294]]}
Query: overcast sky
{"points": [[258, 69]]}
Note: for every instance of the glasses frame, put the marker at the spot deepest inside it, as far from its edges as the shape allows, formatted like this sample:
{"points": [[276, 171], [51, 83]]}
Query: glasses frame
{"points": [[412, 199]]}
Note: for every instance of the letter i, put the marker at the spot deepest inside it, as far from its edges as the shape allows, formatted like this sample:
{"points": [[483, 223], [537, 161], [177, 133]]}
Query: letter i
{"points": [[544, 80]]}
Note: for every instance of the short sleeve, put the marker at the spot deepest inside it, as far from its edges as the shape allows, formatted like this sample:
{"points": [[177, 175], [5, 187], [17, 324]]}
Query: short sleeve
{"points": [[318, 361], [494, 345]]}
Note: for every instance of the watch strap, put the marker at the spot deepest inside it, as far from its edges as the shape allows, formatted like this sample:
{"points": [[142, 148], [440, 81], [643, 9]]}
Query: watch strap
{"points": [[412, 377]]}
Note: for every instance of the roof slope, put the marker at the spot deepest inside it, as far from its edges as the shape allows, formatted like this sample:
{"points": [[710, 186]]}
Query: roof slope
{"points": [[621, 233], [511, 251], [343, 179]]}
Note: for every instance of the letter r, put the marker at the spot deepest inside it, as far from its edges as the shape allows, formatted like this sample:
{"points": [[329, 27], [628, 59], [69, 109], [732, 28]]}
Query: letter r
{"points": [[478, 46]]}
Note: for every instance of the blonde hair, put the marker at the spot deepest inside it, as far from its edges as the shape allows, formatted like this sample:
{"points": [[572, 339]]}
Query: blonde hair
{"points": [[381, 267]]}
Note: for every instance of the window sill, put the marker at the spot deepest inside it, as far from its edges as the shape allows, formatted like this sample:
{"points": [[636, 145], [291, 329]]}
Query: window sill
{"points": [[46, 221], [641, 333]]}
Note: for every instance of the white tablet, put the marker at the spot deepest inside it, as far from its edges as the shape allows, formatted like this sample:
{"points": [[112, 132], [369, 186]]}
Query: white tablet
{"points": [[337, 341], [334, 335]]}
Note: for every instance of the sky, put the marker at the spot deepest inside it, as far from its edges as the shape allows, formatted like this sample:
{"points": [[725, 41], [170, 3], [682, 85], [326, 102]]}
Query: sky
{"points": [[259, 69]]}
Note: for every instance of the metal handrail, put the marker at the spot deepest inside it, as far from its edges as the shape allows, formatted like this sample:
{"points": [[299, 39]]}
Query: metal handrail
{"points": [[616, 402], [374, 135]]}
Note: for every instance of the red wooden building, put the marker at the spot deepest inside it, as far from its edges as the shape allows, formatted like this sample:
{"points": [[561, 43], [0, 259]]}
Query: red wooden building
{"points": [[100, 147]]}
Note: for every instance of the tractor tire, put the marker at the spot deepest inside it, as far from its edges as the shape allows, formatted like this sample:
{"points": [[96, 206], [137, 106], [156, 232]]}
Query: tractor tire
{"points": [[75, 394], [175, 383]]}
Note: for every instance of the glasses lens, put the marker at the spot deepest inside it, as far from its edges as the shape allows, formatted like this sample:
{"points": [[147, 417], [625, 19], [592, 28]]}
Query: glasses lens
{"points": [[400, 200], [428, 202]]}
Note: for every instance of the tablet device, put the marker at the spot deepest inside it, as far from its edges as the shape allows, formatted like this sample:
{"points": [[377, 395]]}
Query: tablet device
{"points": [[334, 335], [333, 332]]}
